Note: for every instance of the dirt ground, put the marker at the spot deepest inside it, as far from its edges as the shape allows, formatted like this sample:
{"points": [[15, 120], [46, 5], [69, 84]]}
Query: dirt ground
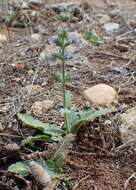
{"points": [[96, 160]]}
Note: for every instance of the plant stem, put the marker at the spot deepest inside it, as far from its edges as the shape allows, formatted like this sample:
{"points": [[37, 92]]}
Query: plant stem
{"points": [[63, 148], [64, 92]]}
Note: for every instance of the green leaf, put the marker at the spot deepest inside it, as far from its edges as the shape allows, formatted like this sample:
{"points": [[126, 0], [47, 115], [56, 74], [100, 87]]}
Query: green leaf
{"points": [[91, 115], [93, 38], [46, 128], [7, 18], [77, 119], [64, 16], [53, 167], [60, 56], [50, 166], [63, 42], [73, 117], [63, 35], [65, 183], [58, 76], [68, 77], [19, 168], [32, 139]]}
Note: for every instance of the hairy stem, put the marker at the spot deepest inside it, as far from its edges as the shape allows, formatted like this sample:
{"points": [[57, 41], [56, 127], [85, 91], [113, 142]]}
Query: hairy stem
{"points": [[64, 92]]}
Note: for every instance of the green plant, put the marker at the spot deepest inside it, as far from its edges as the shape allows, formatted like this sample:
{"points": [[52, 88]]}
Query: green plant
{"points": [[58, 76], [20, 168], [93, 38], [64, 16], [14, 18], [63, 43], [48, 132], [72, 117], [73, 120]]}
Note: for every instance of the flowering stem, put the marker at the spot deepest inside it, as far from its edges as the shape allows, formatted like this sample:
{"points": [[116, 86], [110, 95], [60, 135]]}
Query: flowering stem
{"points": [[64, 91]]}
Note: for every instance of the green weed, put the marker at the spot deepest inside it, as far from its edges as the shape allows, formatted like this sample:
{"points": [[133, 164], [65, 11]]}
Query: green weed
{"points": [[73, 119]]}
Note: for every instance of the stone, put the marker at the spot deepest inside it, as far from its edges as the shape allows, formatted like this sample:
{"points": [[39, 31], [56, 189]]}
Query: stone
{"points": [[87, 18], [24, 5], [115, 12], [1, 127], [128, 125], [35, 89], [36, 37], [53, 40], [132, 23], [101, 95], [75, 10], [124, 71], [2, 37], [40, 107], [59, 7], [111, 27], [3, 109], [34, 14], [62, 7], [36, 2]]}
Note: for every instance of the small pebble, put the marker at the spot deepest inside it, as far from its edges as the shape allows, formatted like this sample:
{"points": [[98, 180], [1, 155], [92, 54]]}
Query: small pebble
{"points": [[111, 28]]}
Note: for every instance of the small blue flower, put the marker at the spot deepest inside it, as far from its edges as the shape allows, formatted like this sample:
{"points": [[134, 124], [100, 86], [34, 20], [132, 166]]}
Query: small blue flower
{"points": [[69, 54], [53, 40]]}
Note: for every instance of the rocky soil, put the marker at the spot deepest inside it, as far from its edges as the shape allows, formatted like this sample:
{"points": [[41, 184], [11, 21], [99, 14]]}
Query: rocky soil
{"points": [[103, 155]]}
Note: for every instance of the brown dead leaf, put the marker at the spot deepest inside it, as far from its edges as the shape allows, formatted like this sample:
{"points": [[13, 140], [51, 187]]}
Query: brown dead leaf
{"points": [[19, 66], [12, 147]]}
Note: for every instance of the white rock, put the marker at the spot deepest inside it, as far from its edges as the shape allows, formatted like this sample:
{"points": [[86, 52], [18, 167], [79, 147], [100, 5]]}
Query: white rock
{"points": [[111, 27], [101, 94], [128, 126], [24, 5], [2, 37], [115, 12], [36, 37], [1, 127]]}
